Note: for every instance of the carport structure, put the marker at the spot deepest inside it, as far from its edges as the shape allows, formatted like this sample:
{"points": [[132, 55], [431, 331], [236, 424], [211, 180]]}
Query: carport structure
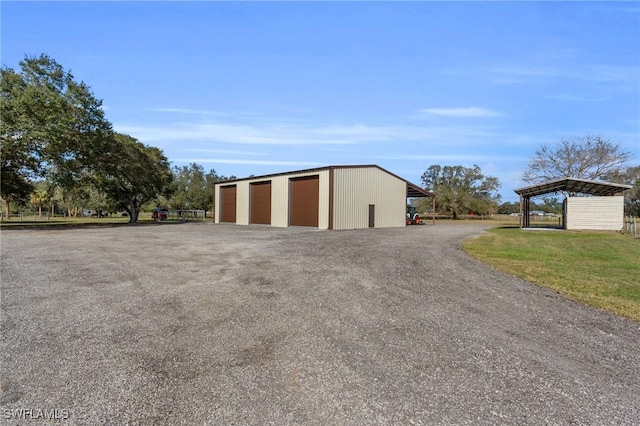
{"points": [[333, 197], [600, 208]]}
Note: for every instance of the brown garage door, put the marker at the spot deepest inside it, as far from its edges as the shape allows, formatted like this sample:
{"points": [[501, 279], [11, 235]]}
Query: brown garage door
{"points": [[304, 200], [261, 203], [228, 204]]}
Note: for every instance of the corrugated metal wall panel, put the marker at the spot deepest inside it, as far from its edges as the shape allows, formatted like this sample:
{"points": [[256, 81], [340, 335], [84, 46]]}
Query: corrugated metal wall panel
{"points": [[280, 201], [242, 214], [216, 204], [357, 188], [596, 213], [323, 209]]}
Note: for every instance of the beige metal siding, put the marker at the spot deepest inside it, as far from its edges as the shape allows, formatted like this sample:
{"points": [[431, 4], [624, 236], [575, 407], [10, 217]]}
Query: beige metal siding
{"points": [[357, 188], [597, 213], [242, 212], [280, 201], [216, 204]]}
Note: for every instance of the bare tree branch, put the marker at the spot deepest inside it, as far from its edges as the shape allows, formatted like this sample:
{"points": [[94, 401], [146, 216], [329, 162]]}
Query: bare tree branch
{"points": [[591, 157]]}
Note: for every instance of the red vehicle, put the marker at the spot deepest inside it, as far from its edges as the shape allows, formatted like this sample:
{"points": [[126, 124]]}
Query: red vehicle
{"points": [[159, 214]]}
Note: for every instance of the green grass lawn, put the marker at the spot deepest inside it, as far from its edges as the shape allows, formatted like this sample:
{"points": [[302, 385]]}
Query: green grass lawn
{"points": [[601, 269]]}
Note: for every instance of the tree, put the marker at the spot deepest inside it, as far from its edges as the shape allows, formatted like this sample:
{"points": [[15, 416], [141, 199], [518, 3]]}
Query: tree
{"points": [[74, 198], [19, 154], [551, 205], [461, 190], [132, 174], [629, 176], [39, 197], [591, 158], [50, 125], [192, 188], [508, 208], [632, 197]]}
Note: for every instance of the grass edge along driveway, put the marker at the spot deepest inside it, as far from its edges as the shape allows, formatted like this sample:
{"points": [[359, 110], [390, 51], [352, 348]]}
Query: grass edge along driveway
{"points": [[600, 269]]}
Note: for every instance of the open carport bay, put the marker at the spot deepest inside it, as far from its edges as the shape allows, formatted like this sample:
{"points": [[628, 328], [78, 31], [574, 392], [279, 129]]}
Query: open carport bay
{"points": [[218, 324]]}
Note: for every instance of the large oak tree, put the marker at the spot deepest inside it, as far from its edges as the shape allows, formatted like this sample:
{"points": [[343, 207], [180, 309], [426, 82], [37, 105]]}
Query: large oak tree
{"points": [[461, 190], [53, 127], [133, 174]]}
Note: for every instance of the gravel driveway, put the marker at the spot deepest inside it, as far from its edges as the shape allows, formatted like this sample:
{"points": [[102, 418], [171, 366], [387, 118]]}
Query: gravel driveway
{"points": [[219, 324]]}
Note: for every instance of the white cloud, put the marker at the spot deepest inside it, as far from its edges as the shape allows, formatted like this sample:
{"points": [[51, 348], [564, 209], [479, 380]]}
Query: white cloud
{"points": [[577, 98], [248, 134], [462, 112], [305, 134], [599, 73], [190, 111], [449, 158], [532, 71], [225, 151], [248, 162]]}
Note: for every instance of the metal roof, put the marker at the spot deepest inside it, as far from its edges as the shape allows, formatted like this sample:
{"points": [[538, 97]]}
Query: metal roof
{"points": [[573, 185], [413, 190]]}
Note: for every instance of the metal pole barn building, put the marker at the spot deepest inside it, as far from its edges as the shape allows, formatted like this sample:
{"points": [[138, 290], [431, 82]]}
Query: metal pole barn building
{"points": [[601, 206], [333, 197]]}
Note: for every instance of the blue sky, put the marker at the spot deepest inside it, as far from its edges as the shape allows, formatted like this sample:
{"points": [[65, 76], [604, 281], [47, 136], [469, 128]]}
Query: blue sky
{"points": [[259, 87]]}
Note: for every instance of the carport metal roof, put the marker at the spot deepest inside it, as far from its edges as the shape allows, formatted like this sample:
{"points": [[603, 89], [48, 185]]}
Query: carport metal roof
{"points": [[572, 185], [414, 191]]}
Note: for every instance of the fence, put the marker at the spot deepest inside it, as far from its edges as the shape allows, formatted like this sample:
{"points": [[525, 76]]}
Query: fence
{"points": [[31, 217], [630, 225], [174, 215], [187, 215]]}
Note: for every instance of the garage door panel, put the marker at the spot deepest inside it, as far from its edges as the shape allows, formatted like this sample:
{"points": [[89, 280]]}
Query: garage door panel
{"points": [[261, 203], [228, 204], [304, 201]]}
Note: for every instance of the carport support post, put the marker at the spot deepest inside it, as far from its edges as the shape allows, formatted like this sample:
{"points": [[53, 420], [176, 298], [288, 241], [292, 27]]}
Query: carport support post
{"points": [[522, 210], [520, 218]]}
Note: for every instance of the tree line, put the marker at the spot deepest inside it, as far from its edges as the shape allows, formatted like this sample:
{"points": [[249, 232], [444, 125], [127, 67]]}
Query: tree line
{"points": [[58, 149], [191, 188]]}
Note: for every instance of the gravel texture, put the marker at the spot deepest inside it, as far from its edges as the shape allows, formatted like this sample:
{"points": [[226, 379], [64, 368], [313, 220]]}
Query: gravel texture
{"points": [[219, 324]]}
